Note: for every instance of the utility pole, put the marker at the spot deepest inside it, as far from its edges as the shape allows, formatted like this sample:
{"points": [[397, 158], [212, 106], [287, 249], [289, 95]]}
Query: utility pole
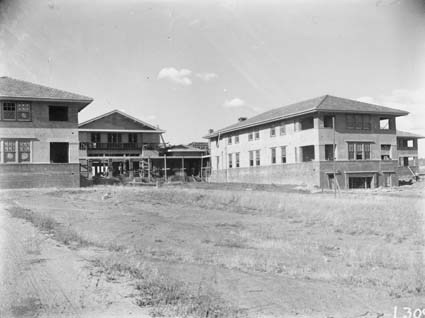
{"points": [[334, 154]]}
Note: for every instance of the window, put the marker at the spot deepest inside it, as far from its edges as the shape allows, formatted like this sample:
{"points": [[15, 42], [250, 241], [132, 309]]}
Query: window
{"points": [[385, 152], [95, 137], [410, 143], [384, 123], [58, 113], [24, 151], [257, 134], [9, 111], [237, 160], [272, 131], [251, 158], [236, 139], [307, 153], [273, 155], [307, 123], [24, 112], [132, 138], [350, 151], [250, 136], [358, 122], [282, 129], [328, 121], [257, 158], [283, 154], [230, 161], [114, 137], [229, 140], [359, 151], [59, 152], [9, 147], [329, 152]]}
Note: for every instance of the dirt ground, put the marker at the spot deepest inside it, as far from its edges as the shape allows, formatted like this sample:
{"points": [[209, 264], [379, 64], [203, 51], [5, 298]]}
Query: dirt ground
{"points": [[270, 252]]}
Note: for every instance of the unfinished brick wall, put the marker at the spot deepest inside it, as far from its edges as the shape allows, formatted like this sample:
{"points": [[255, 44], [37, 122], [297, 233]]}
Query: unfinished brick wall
{"points": [[39, 175]]}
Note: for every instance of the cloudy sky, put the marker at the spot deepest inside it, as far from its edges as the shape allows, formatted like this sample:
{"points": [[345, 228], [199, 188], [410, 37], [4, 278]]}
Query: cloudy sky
{"points": [[191, 65]]}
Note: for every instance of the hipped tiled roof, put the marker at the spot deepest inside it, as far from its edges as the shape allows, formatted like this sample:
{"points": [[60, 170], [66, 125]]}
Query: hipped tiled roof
{"points": [[14, 89], [327, 103]]}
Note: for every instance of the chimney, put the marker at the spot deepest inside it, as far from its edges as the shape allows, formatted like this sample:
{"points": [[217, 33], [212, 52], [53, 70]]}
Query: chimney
{"points": [[242, 119], [210, 131]]}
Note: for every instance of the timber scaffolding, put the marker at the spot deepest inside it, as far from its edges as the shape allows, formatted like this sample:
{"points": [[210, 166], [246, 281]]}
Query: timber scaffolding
{"points": [[150, 167]]}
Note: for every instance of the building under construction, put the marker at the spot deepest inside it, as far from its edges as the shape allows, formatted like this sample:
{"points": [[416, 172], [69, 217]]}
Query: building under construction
{"points": [[118, 145]]}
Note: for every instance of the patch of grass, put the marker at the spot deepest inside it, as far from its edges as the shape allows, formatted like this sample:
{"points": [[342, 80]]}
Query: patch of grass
{"points": [[166, 296], [47, 224]]}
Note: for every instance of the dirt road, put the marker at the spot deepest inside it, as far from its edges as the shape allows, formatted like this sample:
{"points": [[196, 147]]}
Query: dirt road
{"points": [[41, 278]]}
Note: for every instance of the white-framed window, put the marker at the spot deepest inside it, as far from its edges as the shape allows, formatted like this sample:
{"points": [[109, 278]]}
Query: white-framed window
{"points": [[250, 136], [282, 129], [283, 154], [273, 155], [9, 111], [24, 151], [257, 134], [358, 151], [9, 151], [257, 158], [230, 160], [251, 158], [237, 160], [273, 131], [23, 111]]}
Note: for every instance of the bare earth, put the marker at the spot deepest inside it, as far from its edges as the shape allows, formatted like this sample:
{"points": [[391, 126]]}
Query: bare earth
{"points": [[270, 253]]}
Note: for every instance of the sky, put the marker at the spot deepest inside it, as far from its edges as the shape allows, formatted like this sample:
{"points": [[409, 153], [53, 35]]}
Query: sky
{"points": [[188, 66]]}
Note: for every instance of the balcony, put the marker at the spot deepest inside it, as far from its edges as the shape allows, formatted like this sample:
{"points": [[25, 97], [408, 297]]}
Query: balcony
{"points": [[117, 146]]}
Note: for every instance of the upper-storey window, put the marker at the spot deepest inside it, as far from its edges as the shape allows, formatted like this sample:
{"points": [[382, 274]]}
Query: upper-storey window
{"points": [[58, 113], [328, 121], [236, 139], [95, 137], [250, 136], [273, 131], [114, 137], [257, 134], [229, 140], [282, 129], [20, 111], [358, 122], [386, 123], [307, 123], [132, 138]]}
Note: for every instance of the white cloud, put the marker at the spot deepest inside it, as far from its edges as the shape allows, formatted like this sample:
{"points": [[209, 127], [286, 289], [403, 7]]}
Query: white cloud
{"points": [[207, 76], [235, 102], [177, 76]]}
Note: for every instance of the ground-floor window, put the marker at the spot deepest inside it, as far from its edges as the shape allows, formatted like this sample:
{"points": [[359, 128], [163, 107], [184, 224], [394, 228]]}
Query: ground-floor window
{"points": [[59, 152], [251, 158], [257, 158], [359, 151], [360, 182], [283, 154], [237, 160], [230, 160], [16, 151], [329, 152], [307, 153], [273, 155]]}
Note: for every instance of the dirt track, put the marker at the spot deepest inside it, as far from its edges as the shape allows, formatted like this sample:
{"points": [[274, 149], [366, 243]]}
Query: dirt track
{"points": [[41, 278]]}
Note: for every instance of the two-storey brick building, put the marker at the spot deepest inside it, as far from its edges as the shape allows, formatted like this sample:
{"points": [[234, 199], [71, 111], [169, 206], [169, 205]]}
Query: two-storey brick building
{"points": [[294, 144], [38, 135]]}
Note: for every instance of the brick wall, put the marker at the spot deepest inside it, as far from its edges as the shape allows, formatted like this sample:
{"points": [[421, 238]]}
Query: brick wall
{"points": [[39, 175]]}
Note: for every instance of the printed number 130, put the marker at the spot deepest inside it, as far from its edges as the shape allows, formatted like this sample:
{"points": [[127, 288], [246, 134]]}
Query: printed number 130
{"points": [[410, 313]]}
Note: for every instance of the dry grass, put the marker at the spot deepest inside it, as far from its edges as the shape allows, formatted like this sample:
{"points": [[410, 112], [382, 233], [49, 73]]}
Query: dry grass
{"points": [[361, 239]]}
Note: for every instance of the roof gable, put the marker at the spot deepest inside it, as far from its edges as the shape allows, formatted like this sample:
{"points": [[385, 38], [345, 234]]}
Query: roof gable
{"points": [[117, 120], [324, 103], [11, 88]]}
